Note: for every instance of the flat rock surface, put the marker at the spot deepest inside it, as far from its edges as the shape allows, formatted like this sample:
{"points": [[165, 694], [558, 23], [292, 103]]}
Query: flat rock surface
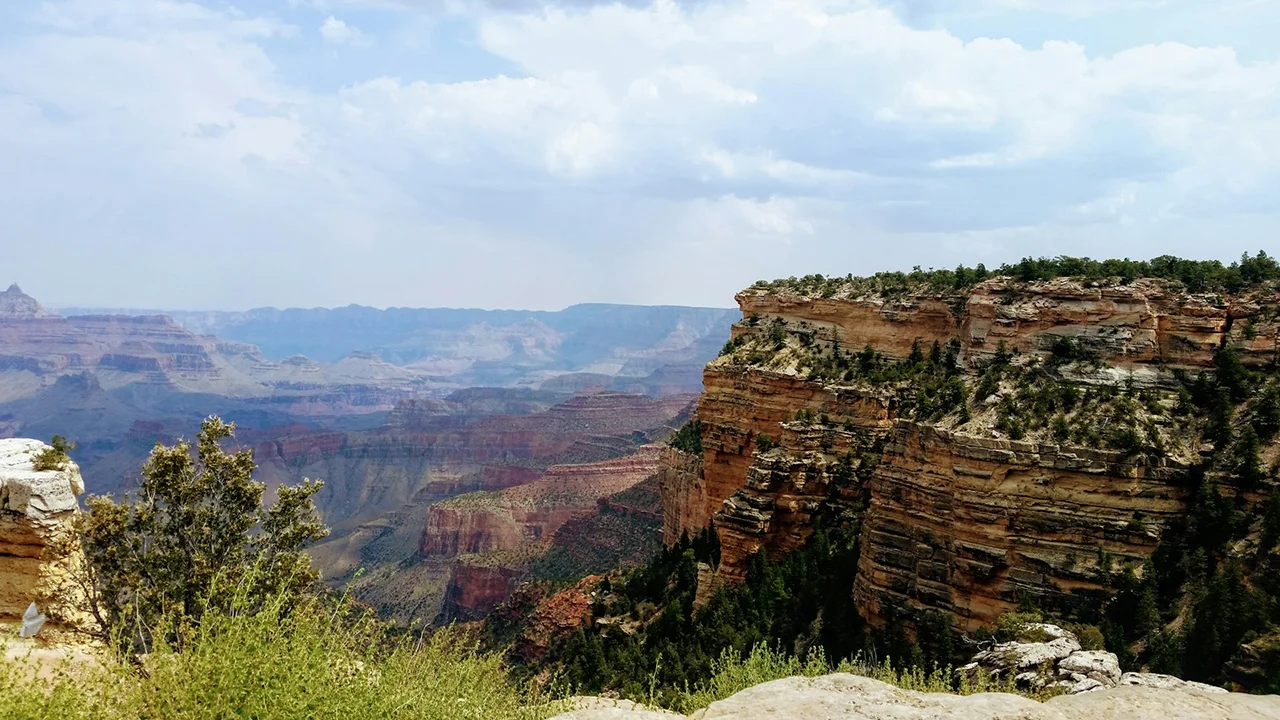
{"points": [[851, 697], [37, 494]]}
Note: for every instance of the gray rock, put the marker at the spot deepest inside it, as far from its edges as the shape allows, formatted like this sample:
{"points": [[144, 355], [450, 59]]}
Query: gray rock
{"points": [[598, 708], [1166, 682], [38, 494], [1098, 665], [850, 697]]}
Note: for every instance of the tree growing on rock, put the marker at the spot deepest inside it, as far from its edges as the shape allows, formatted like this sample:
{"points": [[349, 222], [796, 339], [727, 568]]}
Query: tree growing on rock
{"points": [[194, 537]]}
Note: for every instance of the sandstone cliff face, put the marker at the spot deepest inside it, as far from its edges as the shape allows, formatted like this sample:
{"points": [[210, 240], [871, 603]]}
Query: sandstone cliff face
{"points": [[958, 521], [965, 524], [35, 508], [684, 496], [891, 326], [1147, 321]]}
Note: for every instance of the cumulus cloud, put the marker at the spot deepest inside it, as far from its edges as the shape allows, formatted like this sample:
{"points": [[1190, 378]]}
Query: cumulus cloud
{"points": [[656, 152], [338, 32]]}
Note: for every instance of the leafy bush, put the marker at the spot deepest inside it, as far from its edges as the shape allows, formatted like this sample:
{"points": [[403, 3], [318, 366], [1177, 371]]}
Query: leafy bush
{"points": [[194, 530]]}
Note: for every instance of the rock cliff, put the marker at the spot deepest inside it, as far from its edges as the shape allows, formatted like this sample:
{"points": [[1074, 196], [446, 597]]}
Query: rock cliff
{"points": [[965, 505], [495, 536], [35, 509], [967, 525]]}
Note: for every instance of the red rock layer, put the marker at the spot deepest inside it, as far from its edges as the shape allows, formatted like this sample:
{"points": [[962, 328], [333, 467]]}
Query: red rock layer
{"points": [[474, 590], [957, 524], [533, 511], [965, 525], [684, 495]]}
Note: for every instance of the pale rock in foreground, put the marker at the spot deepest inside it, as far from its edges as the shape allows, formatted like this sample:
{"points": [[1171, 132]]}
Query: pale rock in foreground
{"points": [[597, 708], [851, 697], [1056, 662], [35, 508]]}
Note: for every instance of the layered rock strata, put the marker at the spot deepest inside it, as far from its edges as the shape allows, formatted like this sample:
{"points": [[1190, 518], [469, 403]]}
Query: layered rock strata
{"points": [[962, 521], [966, 525], [36, 507]]}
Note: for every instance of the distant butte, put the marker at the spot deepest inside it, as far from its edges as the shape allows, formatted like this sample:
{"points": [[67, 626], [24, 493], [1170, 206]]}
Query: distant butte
{"points": [[17, 304]]}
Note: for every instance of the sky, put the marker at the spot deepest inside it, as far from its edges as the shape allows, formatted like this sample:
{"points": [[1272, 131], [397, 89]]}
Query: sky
{"points": [[512, 154]]}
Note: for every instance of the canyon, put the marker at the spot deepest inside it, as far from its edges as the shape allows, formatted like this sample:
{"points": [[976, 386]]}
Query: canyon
{"points": [[956, 515], [396, 410]]}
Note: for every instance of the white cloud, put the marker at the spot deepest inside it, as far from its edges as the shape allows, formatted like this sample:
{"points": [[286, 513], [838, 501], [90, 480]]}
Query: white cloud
{"points": [[338, 32], [622, 139]]}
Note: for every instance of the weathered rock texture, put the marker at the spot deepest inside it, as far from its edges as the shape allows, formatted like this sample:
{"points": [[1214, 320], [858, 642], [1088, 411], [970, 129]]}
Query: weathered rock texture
{"points": [[965, 521], [850, 697], [684, 496], [965, 524], [1050, 657], [496, 536], [35, 508]]}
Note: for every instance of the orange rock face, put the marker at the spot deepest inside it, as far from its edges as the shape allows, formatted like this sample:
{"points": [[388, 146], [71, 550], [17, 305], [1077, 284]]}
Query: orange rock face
{"points": [[683, 493], [965, 525], [952, 522], [533, 511], [474, 590]]}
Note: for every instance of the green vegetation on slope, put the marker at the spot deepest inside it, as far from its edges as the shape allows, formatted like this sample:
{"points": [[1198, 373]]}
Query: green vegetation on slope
{"points": [[688, 438], [1195, 276]]}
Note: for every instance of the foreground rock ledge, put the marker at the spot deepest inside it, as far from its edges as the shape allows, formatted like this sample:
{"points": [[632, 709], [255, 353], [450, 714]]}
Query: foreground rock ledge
{"points": [[846, 697], [35, 508]]}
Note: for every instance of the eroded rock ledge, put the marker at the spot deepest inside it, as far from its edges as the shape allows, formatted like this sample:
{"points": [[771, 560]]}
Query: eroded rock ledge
{"points": [[35, 509]]}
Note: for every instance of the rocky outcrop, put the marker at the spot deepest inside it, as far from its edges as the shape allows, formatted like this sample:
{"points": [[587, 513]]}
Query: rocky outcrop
{"points": [[889, 325], [738, 408], [965, 525], [851, 697], [555, 618], [36, 507], [16, 304], [962, 521], [1046, 656], [475, 588], [1144, 322]]}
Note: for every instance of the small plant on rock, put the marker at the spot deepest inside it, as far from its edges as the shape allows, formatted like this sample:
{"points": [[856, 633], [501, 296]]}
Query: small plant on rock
{"points": [[56, 456]]}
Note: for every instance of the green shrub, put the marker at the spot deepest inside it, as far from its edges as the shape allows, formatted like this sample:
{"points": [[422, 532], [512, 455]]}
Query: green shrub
{"points": [[688, 438], [54, 457], [731, 673], [194, 521]]}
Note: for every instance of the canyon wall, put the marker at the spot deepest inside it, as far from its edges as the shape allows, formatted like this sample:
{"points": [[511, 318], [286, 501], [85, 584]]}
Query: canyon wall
{"points": [[966, 525], [493, 538], [961, 520]]}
